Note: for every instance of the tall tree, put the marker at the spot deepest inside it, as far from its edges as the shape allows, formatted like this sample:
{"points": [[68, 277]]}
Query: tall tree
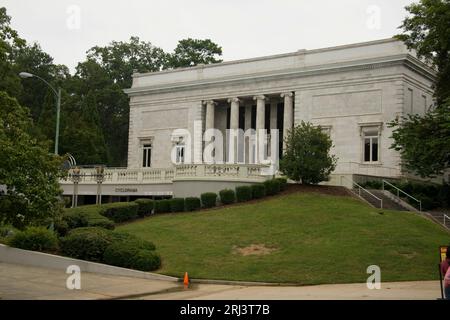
{"points": [[30, 173], [427, 30], [191, 52], [423, 141]]}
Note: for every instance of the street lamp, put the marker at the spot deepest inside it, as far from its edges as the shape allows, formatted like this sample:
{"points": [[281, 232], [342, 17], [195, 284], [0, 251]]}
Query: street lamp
{"points": [[57, 93]]}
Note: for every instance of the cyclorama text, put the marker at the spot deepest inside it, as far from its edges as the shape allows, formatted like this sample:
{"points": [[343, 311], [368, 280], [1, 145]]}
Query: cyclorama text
{"points": [[228, 309]]}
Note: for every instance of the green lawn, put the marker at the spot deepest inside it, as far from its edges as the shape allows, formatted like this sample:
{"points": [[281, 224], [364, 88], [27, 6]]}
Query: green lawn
{"points": [[318, 239]]}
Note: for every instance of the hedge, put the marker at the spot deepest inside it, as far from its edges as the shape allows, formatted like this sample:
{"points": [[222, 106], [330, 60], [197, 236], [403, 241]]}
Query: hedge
{"points": [[208, 199], [243, 193], [272, 187], [258, 191], [145, 207], [87, 243], [162, 206], [192, 203], [227, 196], [84, 216], [176, 204], [120, 211], [283, 182], [36, 239], [128, 255]]}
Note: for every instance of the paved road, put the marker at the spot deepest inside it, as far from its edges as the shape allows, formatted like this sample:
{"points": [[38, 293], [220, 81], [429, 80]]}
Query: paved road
{"points": [[22, 282]]}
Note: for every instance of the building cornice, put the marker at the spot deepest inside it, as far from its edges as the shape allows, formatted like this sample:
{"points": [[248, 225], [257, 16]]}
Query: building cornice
{"points": [[366, 64]]}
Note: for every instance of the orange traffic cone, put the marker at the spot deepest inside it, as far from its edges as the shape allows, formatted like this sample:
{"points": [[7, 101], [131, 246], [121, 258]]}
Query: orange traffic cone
{"points": [[186, 280]]}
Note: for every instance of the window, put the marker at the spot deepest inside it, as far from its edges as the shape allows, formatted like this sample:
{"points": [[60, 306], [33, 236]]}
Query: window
{"points": [[371, 146], [146, 155], [179, 153]]}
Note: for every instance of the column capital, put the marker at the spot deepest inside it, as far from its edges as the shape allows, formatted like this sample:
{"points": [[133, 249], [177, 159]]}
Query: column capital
{"points": [[287, 94], [260, 97], [234, 99], [210, 102]]}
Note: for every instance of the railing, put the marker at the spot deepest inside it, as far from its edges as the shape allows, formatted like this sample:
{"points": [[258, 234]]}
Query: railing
{"points": [[167, 175], [403, 192], [446, 217], [361, 188]]}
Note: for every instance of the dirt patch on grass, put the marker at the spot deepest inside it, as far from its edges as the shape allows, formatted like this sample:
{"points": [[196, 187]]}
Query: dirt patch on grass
{"points": [[253, 250]]}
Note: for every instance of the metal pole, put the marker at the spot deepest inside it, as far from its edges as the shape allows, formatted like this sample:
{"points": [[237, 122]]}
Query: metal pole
{"points": [[58, 111]]}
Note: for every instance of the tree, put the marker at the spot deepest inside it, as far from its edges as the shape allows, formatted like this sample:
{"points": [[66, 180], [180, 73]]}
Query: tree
{"points": [[191, 52], [307, 157], [29, 172], [424, 141], [427, 30]]}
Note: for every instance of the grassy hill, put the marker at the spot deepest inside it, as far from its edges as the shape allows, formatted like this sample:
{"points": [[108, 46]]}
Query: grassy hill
{"points": [[301, 237]]}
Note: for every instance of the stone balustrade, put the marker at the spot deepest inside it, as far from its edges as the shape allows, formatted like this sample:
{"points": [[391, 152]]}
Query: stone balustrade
{"points": [[167, 175]]}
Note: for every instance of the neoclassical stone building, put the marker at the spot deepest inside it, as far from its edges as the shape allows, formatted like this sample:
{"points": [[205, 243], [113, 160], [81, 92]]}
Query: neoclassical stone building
{"points": [[351, 91]]}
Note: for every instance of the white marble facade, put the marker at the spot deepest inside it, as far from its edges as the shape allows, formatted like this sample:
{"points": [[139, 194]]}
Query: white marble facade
{"points": [[351, 91]]}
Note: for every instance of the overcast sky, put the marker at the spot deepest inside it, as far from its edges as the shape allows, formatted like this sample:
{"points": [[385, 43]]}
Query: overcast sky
{"points": [[66, 29]]}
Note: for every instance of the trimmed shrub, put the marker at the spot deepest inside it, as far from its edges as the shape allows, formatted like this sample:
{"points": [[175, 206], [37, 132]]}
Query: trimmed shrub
{"points": [[258, 191], [86, 216], [192, 203], [272, 187], [127, 255], [208, 199], [6, 232], [36, 239], [87, 243], [162, 206], [145, 207], [227, 196], [75, 219], [146, 260], [243, 193], [120, 211], [176, 204], [283, 183]]}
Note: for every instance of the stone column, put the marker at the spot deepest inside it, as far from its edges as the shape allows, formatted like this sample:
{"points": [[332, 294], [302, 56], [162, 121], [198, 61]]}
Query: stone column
{"points": [[234, 113], [260, 122], [260, 111], [288, 117], [234, 125], [210, 106]]}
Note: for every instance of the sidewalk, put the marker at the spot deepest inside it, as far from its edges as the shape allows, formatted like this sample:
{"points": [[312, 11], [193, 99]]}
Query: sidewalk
{"points": [[24, 282]]}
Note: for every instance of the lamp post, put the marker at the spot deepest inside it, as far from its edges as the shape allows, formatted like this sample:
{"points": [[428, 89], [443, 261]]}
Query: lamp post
{"points": [[57, 93]]}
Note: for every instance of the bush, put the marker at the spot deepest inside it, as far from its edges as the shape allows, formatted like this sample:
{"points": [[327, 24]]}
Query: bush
{"points": [[307, 156], [146, 260], [145, 207], [87, 243], [272, 187], [76, 219], [36, 239], [192, 203], [243, 193], [85, 216], [283, 183], [162, 206], [227, 196], [258, 191], [6, 232], [176, 204], [208, 199], [127, 255], [120, 211]]}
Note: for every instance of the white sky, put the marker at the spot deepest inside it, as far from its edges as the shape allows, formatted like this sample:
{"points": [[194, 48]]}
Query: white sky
{"points": [[244, 28]]}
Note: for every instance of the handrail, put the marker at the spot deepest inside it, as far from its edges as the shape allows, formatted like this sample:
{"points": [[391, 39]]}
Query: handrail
{"points": [[400, 190], [446, 217], [364, 189]]}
